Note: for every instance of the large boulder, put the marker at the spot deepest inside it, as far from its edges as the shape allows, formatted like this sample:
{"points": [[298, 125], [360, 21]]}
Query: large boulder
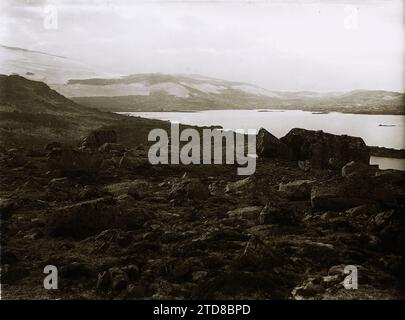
{"points": [[269, 146], [112, 147], [388, 187], [358, 169], [297, 190], [188, 189], [338, 195], [16, 157], [71, 161], [389, 227], [90, 217], [241, 186], [325, 150], [82, 219], [384, 188], [136, 188], [96, 138], [278, 213], [254, 186]]}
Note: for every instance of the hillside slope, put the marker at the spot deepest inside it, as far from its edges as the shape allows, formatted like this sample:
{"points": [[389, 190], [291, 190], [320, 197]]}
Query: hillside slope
{"points": [[32, 114]]}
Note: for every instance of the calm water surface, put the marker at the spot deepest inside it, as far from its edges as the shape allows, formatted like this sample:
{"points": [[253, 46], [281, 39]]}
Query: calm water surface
{"points": [[376, 130]]}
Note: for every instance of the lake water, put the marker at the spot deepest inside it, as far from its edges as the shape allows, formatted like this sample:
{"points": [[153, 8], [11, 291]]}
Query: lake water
{"points": [[376, 130]]}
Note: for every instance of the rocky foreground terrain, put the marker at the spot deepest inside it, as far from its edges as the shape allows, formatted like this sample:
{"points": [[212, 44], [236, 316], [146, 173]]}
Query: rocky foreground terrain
{"points": [[117, 227]]}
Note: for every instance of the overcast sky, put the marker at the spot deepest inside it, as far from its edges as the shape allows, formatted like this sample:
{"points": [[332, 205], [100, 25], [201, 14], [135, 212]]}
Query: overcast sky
{"points": [[298, 45]]}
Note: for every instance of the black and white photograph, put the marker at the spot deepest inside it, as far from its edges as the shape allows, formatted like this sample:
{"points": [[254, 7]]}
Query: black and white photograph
{"points": [[202, 150]]}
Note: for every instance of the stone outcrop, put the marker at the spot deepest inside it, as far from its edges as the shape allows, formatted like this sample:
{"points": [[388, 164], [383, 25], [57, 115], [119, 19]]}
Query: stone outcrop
{"points": [[325, 150], [269, 146], [97, 138]]}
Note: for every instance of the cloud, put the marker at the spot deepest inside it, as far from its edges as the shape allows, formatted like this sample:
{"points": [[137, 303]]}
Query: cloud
{"points": [[292, 46]]}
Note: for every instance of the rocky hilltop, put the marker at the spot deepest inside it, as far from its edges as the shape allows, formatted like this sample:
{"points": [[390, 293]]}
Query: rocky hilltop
{"points": [[117, 227]]}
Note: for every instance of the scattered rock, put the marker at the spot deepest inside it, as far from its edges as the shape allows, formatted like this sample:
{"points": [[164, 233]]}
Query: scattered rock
{"points": [[304, 165], [309, 289], [297, 190], [278, 213], [97, 138], [242, 185], [389, 227], [7, 206], [75, 270], [358, 169], [53, 145], [17, 160], [111, 147], [119, 279], [189, 190], [70, 161], [249, 213], [199, 275], [132, 163], [114, 279], [108, 164], [34, 236], [82, 219], [135, 188], [361, 211], [337, 195], [104, 281]]}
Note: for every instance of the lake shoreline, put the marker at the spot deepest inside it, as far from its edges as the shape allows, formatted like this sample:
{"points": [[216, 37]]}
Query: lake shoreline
{"points": [[380, 133], [312, 110], [387, 152], [378, 151]]}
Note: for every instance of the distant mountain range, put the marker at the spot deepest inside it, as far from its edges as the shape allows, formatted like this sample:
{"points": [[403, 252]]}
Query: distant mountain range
{"points": [[178, 92], [161, 92]]}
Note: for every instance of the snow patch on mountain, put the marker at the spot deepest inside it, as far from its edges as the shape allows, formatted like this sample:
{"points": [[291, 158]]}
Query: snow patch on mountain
{"points": [[205, 87], [171, 88], [254, 90]]}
